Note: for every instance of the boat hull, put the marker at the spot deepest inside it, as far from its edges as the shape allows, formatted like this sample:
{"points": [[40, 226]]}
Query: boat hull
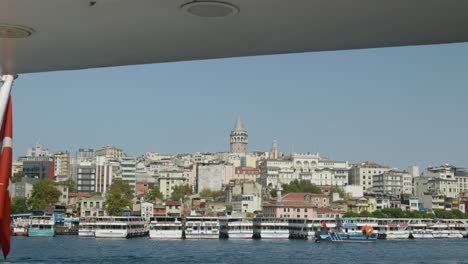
{"points": [[345, 237], [86, 233], [421, 235], [20, 231], [111, 233], [396, 235], [41, 232], [176, 234]]}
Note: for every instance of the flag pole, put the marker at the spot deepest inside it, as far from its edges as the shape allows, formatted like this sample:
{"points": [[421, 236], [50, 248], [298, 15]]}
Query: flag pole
{"points": [[6, 135], [7, 80]]}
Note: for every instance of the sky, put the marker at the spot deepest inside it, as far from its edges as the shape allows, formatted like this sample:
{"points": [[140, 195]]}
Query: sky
{"points": [[396, 106]]}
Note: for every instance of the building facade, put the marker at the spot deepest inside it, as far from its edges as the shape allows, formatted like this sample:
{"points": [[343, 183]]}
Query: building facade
{"points": [[86, 177], [363, 173]]}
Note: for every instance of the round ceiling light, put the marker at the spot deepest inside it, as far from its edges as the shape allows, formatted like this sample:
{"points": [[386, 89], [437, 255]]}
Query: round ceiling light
{"points": [[210, 9], [14, 31]]}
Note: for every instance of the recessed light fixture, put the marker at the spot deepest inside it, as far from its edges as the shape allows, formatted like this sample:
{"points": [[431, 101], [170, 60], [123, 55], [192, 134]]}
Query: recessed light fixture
{"points": [[14, 31], [210, 9]]}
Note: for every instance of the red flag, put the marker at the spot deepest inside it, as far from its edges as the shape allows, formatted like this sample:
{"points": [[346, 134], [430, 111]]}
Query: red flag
{"points": [[6, 134], [324, 226]]}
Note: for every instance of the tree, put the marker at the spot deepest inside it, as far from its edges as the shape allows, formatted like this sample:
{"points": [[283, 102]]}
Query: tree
{"points": [[298, 186], [118, 197], [336, 189], [350, 214], [19, 204], [155, 194], [43, 195], [229, 207], [210, 193], [249, 215], [17, 177], [71, 184], [365, 214], [181, 191]]}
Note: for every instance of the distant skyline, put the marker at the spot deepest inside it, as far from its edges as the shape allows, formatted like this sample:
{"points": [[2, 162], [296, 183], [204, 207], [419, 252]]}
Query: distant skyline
{"points": [[396, 106]]}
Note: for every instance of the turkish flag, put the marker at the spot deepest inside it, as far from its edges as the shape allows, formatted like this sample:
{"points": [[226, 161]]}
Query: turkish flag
{"points": [[6, 134]]}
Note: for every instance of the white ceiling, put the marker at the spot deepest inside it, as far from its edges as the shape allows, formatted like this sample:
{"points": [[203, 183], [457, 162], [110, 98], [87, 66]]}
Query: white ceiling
{"points": [[70, 34]]}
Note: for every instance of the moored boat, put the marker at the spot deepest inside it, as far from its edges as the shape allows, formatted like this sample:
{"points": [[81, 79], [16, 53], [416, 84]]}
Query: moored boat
{"points": [[166, 228], [199, 227], [120, 227], [346, 232], [236, 228], [271, 228], [41, 226]]}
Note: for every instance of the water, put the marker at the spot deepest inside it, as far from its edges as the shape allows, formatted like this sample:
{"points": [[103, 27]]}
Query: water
{"points": [[72, 249]]}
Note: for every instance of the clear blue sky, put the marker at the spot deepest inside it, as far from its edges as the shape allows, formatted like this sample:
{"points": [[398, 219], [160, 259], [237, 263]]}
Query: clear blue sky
{"points": [[396, 106]]}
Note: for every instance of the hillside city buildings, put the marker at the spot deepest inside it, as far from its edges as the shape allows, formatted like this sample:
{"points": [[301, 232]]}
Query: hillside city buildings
{"points": [[245, 182]]}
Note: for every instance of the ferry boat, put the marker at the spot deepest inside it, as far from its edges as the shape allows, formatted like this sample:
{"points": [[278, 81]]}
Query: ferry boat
{"points": [[346, 232], [271, 228], [236, 228], [120, 227], [306, 228], [199, 227], [418, 229], [393, 228], [87, 227], [20, 223], [166, 228], [41, 226]]}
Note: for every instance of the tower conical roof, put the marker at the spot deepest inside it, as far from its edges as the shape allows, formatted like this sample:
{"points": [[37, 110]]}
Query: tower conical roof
{"points": [[239, 126]]}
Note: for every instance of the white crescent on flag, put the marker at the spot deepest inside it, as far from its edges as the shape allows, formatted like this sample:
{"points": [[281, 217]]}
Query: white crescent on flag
{"points": [[51, 35]]}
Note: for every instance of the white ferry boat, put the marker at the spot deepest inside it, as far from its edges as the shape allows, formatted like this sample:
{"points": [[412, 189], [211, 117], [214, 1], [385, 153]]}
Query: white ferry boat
{"points": [[198, 227], [41, 226], [236, 228], [393, 228], [87, 227], [166, 228], [120, 227], [307, 228], [271, 228], [442, 230], [419, 230]]}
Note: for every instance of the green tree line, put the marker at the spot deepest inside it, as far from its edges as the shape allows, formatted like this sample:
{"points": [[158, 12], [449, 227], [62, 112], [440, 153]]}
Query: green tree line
{"points": [[398, 213]]}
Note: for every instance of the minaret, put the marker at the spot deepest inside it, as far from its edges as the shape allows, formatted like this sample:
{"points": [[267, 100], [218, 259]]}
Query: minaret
{"points": [[274, 150], [239, 137]]}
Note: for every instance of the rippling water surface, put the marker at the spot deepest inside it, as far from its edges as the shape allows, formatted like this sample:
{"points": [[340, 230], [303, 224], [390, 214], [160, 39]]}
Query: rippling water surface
{"points": [[72, 249]]}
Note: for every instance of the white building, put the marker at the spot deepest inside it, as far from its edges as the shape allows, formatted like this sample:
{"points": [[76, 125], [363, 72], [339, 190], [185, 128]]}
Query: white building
{"points": [[362, 174], [147, 211], [274, 172], [38, 151], [319, 171], [106, 171], [128, 167], [246, 203], [62, 164]]}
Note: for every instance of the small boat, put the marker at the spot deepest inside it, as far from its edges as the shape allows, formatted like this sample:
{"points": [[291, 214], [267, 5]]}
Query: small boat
{"points": [[41, 226], [346, 233], [166, 228], [20, 223], [20, 230]]}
